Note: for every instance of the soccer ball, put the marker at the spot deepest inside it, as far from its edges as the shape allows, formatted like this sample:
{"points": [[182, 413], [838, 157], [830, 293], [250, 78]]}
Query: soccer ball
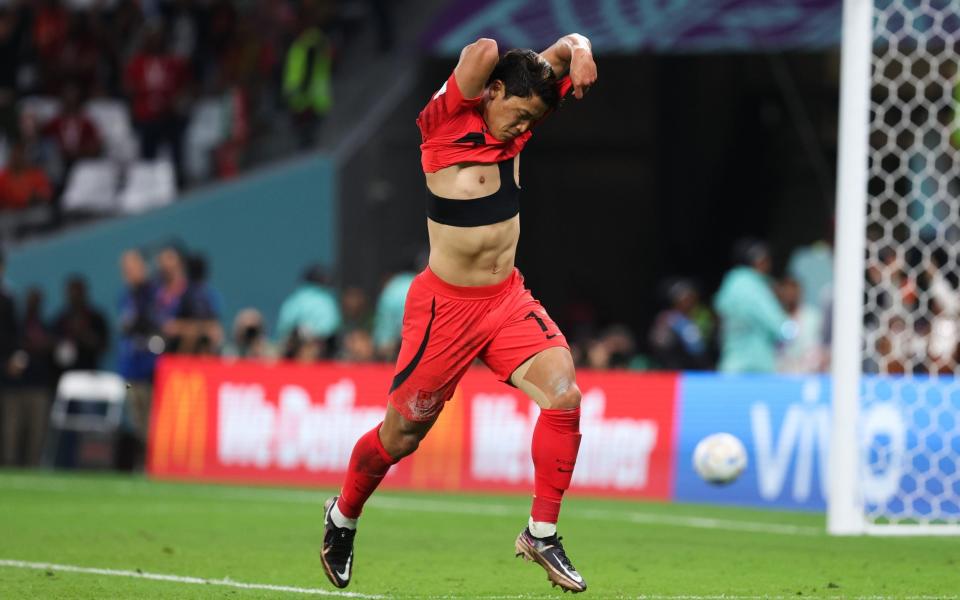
{"points": [[719, 458]]}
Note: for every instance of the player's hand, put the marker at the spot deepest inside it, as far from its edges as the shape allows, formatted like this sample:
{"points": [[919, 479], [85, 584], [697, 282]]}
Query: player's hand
{"points": [[583, 72]]}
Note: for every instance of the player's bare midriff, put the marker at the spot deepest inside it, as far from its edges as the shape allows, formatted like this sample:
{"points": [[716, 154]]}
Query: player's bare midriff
{"points": [[472, 256]]}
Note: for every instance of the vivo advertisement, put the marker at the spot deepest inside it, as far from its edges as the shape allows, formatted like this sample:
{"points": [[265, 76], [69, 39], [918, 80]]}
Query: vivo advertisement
{"points": [[909, 439], [247, 422], [784, 422]]}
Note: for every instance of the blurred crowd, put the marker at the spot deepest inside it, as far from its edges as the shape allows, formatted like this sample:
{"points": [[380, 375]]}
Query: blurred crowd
{"points": [[34, 352], [757, 323], [764, 325], [195, 85], [914, 324], [169, 306]]}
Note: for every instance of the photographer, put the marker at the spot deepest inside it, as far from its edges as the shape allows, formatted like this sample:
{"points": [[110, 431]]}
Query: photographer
{"points": [[250, 337], [140, 340]]}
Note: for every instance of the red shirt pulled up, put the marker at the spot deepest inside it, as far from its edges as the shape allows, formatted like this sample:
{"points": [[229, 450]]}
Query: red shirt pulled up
{"points": [[453, 130]]}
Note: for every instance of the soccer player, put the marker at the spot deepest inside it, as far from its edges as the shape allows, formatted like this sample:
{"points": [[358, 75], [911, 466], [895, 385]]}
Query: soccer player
{"points": [[470, 302]]}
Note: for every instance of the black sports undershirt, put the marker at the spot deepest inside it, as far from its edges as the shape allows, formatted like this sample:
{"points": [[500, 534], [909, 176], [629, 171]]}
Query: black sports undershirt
{"points": [[499, 206]]}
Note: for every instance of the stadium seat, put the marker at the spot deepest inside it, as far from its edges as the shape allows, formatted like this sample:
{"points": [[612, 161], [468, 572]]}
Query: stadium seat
{"points": [[89, 401], [89, 404], [112, 119], [149, 185], [204, 133], [92, 187]]}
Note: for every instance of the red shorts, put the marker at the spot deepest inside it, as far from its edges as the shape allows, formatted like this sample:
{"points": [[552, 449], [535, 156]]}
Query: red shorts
{"points": [[446, 327]]}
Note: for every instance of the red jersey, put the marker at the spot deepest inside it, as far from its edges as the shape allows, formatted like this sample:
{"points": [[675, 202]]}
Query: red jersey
{"points": [[75, 133], [453, 130], [154, 80], [19, 188]]}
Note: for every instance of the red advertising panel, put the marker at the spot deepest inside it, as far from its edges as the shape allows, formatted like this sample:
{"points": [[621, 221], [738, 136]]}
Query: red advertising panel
{"points": [[283, 423]]}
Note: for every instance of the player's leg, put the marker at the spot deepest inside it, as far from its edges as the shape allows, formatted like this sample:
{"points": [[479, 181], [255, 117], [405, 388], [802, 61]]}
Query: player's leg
{"points": [[373, 455], [531, 353], [435, 351], [548, 379]]}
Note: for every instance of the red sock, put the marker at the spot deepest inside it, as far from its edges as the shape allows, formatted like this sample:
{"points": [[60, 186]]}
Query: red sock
{"points": [[369, 463], [556, 440]]}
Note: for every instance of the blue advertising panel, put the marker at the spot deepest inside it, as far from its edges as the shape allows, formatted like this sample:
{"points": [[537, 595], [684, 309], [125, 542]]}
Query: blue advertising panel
{"points": [[784, 423], [909, 439]]}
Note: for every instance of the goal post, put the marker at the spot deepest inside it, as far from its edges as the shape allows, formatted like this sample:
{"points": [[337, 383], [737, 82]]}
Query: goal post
{"points": [[845, 506], [895, 438]]}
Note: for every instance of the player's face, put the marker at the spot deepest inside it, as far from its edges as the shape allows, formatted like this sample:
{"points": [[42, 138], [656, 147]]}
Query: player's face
{"points": [[509, 117]]}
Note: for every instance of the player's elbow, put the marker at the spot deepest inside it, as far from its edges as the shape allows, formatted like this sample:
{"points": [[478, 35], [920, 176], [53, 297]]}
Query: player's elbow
{"points": [[486, 49], [486, 44], [577, 40]]}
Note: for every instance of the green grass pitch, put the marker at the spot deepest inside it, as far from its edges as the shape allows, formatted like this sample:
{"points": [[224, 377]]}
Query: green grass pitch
{"points": [[428, 546]]}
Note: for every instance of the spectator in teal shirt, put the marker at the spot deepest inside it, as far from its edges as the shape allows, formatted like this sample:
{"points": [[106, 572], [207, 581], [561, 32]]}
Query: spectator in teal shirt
{"points": [[312, 309], [752, 322], [388, 318]]}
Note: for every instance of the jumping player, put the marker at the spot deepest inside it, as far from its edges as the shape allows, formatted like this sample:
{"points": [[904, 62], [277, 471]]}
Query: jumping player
{"points": [[470, 302]]}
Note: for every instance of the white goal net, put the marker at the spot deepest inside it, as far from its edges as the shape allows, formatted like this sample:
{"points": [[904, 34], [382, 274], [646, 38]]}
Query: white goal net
{"points": [[908, 417]]}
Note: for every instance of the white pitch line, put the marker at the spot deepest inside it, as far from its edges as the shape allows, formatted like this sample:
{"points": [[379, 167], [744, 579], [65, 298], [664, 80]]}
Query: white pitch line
{"points": [[22, 564], [388, 502]]}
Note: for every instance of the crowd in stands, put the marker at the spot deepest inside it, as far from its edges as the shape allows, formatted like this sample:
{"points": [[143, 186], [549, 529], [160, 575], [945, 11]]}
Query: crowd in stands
{"points": [[34, 352], [112, 106], [766, 325], [914, 327], [755, 323]]}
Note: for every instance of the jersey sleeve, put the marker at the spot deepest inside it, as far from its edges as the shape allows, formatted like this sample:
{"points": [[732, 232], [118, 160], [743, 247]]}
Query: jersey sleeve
{"points": [[452, 98], [444, 104]]}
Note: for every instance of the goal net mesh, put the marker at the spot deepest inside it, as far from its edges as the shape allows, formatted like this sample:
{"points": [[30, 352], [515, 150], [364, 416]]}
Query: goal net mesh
{"points": [[911, 404]]}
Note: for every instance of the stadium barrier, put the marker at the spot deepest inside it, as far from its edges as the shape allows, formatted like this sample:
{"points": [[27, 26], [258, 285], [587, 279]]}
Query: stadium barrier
{"points": [[250, 422]]}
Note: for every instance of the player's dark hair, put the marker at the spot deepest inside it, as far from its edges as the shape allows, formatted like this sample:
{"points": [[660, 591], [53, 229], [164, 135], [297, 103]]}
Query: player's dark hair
{"points": [[525, 74]]}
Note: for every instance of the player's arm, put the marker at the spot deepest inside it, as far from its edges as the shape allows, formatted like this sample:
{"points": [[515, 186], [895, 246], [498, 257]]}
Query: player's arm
{"points": [[477, 61], [573, 55]]}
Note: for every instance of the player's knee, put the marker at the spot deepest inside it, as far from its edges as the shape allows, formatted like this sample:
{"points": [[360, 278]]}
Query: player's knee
{"points": [[567, 398]]}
